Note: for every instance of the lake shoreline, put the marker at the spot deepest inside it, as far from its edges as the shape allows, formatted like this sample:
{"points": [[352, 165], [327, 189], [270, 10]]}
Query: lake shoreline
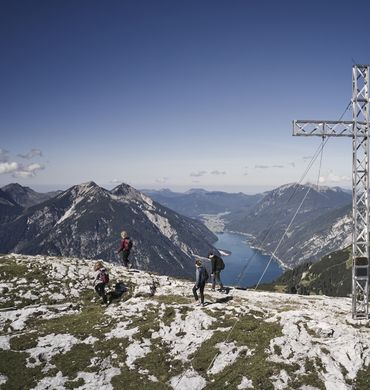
{"points": [[250, 238], [245, 265]]}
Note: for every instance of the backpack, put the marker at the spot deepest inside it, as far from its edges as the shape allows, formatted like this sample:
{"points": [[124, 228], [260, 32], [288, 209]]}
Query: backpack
{"points": [[127, 244], [220, 263], [103, 276]]}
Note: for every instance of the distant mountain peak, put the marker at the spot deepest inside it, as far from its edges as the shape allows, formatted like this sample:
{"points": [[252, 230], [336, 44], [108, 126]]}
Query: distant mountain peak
{"points": [[16, 186], [25, 196], [196, 191], [126, 191]]}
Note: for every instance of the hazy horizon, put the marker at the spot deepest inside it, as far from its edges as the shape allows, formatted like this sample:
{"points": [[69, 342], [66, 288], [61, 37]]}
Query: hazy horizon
{"points": [[181, 189]]}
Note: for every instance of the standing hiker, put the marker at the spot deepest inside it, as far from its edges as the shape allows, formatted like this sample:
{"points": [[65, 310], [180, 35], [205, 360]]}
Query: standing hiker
{"points": [[217, 265], [101, 280], [201, 277], [125, 248]]}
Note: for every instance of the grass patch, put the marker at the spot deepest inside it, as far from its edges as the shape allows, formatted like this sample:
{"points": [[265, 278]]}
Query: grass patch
{"points": [[10, 269], [184, 310], [132, 380], [256, 335], [169, 316], [13, 366], [310, 379], [277, 350], [88, 322], [74, 384], [160, 363], [75, 360], [362, 381], [23, 342], [108, 347], [147, 323], [222, 320]]}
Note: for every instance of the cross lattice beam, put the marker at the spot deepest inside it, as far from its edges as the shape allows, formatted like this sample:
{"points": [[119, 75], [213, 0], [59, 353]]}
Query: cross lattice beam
{"points": [[358, 130]]}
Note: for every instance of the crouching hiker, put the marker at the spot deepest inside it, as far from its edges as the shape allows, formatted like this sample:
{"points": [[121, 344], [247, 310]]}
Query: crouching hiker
{"points": [[201, 277], [101, 280]]}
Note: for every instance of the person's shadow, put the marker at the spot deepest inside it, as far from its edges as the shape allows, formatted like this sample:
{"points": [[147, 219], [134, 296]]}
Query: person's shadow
{"points": [[119, 289], [224, 299]]}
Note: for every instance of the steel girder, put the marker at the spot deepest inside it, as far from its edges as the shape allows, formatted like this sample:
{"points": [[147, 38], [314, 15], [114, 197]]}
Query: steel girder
{"points": [[358, 130], [360, 191]]}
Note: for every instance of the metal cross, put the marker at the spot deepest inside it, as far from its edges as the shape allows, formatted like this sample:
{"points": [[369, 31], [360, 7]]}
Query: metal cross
{"points": [[358, 129]]}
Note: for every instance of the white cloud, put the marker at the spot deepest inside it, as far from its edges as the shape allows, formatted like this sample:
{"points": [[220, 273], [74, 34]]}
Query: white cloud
{"points": [[198, 174], [32, 153], [17, 169], [292, 164], [278, 166], [28, 171], [331, 178], [261, 166], [216, 172], [8, 167]]}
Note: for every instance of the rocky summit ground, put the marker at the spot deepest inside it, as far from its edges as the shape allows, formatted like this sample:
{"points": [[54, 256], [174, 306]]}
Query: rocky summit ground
{"points": [[55, 334]]}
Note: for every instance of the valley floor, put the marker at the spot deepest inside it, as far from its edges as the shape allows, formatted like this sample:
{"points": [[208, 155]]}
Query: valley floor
{"points": [[54, 334]]}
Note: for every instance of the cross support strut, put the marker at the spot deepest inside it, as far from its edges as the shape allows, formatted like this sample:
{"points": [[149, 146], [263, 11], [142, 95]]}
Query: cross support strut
{"points": [[358, 130]]}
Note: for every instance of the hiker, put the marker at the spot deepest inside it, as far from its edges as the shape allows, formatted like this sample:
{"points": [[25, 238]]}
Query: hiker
{"points": [[101, 280], [217, 265], [126, 245], [201, 277]]}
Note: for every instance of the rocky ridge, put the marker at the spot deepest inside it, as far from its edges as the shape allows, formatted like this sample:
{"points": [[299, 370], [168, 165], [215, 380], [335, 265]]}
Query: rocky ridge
{"points": [[55, 332]]}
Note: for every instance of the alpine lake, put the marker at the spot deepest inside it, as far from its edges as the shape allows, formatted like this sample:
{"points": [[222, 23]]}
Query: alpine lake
{"points": [[245, 265]]}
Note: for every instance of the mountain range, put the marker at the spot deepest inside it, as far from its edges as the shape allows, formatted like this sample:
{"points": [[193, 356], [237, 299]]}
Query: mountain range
{"points": [[195, 202], [297, 223], [86, 221], [75, 223], [322, 218]]}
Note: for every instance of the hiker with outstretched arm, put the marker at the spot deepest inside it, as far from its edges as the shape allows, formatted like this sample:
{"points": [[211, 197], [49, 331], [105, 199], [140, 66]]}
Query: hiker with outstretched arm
{"points": [[201, 277], [217, 265], [125, 249]]}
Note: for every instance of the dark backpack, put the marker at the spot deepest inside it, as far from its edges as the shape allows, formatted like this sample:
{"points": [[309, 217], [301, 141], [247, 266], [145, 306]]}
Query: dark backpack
{"points": [[127, 244], [220, 263], [103, 276]]}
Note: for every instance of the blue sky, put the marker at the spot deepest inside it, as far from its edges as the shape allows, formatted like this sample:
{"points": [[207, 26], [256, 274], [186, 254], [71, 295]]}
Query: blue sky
{"points": [[175, 93]]}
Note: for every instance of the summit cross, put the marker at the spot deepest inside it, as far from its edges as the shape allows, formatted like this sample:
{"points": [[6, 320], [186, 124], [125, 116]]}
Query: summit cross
{"points": [[358, 130]]}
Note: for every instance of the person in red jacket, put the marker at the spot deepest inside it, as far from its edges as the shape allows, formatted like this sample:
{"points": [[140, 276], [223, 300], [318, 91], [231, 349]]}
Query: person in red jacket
{"points": [[125, 248]]}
